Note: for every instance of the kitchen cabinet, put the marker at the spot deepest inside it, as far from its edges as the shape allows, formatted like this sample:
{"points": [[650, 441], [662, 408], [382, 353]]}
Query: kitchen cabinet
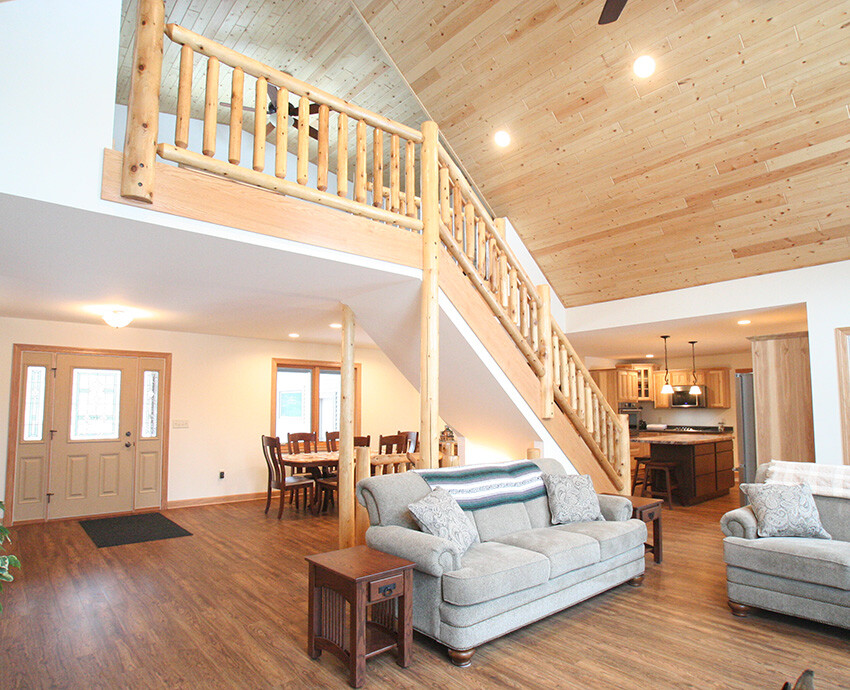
{"points": [[718, 388], [645, 381], [617, 385], [661, 401]]}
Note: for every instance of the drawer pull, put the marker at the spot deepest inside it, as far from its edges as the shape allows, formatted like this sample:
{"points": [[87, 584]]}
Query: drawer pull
{"points": [[387, 590]]}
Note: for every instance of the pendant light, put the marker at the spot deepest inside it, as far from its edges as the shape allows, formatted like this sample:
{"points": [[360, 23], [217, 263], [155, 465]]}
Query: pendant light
{"points": [[667, 389], [695, 389]]}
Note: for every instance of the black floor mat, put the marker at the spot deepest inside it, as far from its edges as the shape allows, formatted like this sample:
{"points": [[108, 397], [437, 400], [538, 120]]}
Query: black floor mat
{"points": [[131, 529]]}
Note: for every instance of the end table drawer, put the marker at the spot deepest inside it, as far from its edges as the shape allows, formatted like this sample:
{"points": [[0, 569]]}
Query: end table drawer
{"points": [[387, 588], [649, 514]]}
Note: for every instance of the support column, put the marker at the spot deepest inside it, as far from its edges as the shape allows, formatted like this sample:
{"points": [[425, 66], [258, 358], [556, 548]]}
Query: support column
{"points": [[362, 470], [624, 456], [143, 105], [346, 432], [429, 429]]}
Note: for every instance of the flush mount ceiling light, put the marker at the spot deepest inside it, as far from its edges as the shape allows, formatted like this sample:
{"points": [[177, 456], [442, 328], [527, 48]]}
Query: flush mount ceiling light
{"points": [[744, 322], [116, 315], [502, 138], [335, 325], [667, 389], [695, 389], [644, 66], [649, 356], [294, 335]]}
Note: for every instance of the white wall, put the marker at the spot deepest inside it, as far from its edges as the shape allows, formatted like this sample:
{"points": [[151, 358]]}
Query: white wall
{"points": [[222, 387], [824, 290]]}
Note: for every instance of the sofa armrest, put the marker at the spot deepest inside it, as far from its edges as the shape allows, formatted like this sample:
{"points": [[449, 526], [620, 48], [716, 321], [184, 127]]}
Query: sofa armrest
{"points": [[432, 555], [740, 522], [615, 508]]}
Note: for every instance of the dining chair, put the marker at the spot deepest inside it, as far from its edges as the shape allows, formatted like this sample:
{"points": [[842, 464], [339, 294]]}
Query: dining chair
{"points": [[412, 440], [328, 484], [332, 439], [395, 443], [294, 484], [301, 443]]}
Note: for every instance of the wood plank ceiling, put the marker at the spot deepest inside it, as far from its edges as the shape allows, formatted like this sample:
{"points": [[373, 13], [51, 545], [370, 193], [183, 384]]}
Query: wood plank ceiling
{"points": [[732, 160]]}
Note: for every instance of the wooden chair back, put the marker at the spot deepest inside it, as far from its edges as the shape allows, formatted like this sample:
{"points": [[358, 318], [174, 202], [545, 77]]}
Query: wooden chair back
{"points": [[271, 452], [301, 443], [390, 445], [412, 440], [332, 440], [362, 441]]}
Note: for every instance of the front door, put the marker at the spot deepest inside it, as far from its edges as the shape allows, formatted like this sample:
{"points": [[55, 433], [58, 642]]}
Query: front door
{"points": [[98, 446]]}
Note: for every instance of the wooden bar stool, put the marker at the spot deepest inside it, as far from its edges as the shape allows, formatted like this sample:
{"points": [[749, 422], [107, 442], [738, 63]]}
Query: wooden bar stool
{"points": [[653, 471], [637, 477]]}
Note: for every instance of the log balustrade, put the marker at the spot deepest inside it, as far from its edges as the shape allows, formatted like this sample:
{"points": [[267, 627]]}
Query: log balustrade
{"points": [[383, 172]]}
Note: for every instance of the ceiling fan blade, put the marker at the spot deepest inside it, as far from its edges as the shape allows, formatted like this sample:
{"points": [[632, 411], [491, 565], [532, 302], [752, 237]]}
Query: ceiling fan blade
{"points": [[611, 11], [269, 129], [293, 109]]}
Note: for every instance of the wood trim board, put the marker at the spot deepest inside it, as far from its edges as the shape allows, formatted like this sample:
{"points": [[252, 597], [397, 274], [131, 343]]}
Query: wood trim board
{"points": [[842, 346]]}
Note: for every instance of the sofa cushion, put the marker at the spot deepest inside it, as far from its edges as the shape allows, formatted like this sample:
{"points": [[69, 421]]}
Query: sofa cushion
{"points": [[566, 551], [614, 537], [439, 514], [490, 570], [785, 510], [497, 521], [571, 498], [796, 558]]}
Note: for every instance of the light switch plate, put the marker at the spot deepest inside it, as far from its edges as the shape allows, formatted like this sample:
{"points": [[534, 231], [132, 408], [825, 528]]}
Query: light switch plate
{"points": [[180, 424]]}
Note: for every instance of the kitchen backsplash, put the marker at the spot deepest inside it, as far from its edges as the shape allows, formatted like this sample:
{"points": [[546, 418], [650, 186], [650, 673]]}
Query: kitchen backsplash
{"points": [[684, 417]]}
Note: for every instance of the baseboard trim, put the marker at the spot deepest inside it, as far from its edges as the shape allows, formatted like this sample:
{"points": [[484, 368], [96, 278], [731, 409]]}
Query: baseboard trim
{"points": [[214, 500]]}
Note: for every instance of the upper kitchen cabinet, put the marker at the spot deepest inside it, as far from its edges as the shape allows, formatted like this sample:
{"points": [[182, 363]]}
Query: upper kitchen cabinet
{"points": [[718, 389], [617, 385], [645, 381], [661, 400]]}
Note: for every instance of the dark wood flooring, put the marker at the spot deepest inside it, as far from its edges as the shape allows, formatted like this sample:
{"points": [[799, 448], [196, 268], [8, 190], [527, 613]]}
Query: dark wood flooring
{"points": [[227, 608]]}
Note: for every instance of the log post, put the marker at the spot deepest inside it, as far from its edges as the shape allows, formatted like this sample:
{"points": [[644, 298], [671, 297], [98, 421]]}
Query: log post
{"points": [[211, 107], [261, 110], [324, 148], [234, 150], [362, 470], [137, 174], [184, 98], [623, 466], [302, 165], [346, 432], [429, 429], [342, 156], [410, 178], [281, 133], [544, 337], [533, 454]]}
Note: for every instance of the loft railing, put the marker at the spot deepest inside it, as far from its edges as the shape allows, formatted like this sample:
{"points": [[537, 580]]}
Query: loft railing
{"points": [[475, 241]]}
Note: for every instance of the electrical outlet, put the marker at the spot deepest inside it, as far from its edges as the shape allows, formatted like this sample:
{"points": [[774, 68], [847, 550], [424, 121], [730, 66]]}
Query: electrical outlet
{"points": [[221, 475]]}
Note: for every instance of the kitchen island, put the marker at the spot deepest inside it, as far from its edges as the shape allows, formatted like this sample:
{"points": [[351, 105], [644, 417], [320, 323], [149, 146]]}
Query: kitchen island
{"points": [[703, 462]]}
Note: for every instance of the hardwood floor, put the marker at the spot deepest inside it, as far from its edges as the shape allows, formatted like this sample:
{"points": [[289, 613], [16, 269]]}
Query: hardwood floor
{"points": [[227, 608]]}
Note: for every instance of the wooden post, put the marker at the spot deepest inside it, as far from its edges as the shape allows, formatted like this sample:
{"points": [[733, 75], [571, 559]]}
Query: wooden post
{"points": [[410, 178], [429, 425], [281, 133], [324, 147], [234, 151], [342, 156], [303, 164], [360, 164], [261, 114], [544, 325], [503, 280], [395, 173], [346, 432], [377, 168], [623, 466], [210, 107], [137, 174], [184, 98], [362, 470], [445, 207], [533, 454]]}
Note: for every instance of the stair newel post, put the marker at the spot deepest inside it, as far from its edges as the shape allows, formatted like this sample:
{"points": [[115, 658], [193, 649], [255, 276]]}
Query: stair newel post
{"points": [[362, 470], [544, 339], [346, 433], [623, 464], [502, 269], [137, 174], [430, 314]]}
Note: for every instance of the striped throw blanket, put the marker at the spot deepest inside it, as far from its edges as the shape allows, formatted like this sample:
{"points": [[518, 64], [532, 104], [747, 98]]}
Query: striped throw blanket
{"points": [[824, 480], [483, 486]]}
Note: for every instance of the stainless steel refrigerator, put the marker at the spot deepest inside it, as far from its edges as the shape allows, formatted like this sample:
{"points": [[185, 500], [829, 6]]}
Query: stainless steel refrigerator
{"points": [[746, 427]]}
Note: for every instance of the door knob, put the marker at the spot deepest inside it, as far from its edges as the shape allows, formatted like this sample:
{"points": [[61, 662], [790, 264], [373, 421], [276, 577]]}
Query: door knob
{"points": [[128, 444]]}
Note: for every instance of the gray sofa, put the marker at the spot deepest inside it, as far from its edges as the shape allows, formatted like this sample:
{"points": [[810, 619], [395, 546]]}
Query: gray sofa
{"points": [[804, 577], [523, 570]]}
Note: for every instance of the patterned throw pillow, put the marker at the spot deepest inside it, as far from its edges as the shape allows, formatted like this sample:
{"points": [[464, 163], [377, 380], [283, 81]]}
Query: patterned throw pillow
{"points": [[572, 498], [785, 510], [439, 514]]}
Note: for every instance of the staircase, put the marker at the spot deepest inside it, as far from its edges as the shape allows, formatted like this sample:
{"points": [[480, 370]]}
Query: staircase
{"points": [[468, 256]]}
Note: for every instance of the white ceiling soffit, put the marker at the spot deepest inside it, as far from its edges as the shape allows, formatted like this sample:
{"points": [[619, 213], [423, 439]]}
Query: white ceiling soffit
{"points": [[717, 334], [56, 261]]}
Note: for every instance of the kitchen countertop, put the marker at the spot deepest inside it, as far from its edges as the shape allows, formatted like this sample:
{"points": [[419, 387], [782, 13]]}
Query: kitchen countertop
{"points": [[685, 439]]}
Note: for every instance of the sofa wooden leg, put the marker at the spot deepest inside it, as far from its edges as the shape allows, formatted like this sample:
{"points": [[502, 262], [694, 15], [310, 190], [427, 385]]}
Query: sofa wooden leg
{"points": [[637, 581], [740, 610], [461, 658]]}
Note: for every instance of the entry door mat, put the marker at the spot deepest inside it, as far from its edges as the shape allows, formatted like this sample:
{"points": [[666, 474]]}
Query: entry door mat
{"points": [[132, 529]]}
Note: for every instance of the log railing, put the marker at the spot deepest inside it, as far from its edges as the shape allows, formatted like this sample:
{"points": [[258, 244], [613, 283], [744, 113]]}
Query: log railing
{"points": [[318, 115], [385, 169]]}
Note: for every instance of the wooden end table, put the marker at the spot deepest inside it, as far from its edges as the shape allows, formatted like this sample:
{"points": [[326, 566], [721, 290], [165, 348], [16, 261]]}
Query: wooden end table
{"points": [[649, 510], [379, 590]]}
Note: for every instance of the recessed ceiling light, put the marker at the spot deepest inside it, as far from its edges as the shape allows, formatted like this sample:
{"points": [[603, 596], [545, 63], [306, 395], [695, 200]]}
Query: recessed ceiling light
{"points": [[502, 138], [294, 335], [335, 325], [744, 322], [649, 356], [644, 66]]}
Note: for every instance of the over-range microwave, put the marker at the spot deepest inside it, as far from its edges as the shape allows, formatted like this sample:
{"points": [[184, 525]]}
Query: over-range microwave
{"points": [[681, 397]]}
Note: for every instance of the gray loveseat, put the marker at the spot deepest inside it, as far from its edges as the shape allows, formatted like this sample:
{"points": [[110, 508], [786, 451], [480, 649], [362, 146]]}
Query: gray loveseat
{"points": [[804, 577], [523, 570]]}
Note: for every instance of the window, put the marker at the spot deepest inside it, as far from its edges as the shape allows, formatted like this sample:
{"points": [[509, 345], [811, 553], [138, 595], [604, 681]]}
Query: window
{"points": [[34, 404], [307, 397], [150, 407], [95, 402]]}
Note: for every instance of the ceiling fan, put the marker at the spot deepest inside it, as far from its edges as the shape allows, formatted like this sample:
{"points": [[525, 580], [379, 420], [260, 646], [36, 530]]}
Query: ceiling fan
{"points": [[272, 110], [611, 11]]}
